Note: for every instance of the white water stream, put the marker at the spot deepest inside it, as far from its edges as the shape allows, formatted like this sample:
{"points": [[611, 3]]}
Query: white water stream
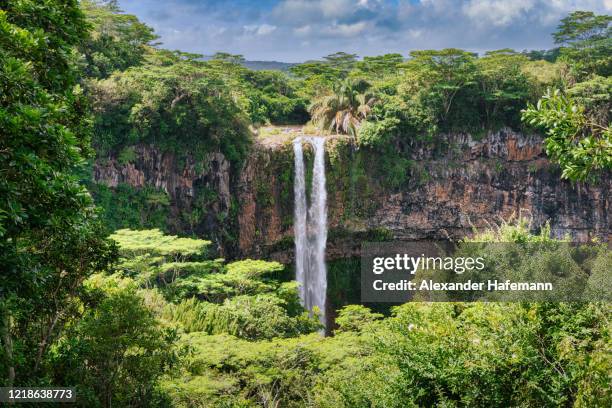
{"points": [[310, 227]]}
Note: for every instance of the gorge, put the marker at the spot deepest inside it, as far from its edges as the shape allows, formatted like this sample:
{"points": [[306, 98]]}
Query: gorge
{"points": [[179, 230], [449, 190]]}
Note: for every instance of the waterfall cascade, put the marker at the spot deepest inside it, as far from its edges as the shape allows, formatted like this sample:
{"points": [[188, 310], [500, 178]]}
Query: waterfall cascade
{"points": [[310, 227]]}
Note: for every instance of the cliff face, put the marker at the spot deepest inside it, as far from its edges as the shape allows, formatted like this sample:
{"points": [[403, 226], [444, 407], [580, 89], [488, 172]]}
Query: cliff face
{"points": [[446, 192], [483, 182], [199, 192]]}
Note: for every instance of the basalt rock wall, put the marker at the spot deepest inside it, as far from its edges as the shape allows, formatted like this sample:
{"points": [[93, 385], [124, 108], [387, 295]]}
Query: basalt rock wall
{"points": [[446, 191], [198, 191]]}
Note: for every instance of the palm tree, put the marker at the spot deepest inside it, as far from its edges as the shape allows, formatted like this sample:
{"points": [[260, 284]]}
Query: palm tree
{"points": [[344, 108]]}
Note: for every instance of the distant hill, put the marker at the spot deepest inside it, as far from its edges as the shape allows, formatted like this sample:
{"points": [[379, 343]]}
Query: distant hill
{"points": [[268, 65], [259, 65]]}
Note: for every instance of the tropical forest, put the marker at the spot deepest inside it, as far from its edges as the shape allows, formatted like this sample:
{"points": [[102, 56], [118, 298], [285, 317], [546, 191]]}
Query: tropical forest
{"points": [[182, 229]]}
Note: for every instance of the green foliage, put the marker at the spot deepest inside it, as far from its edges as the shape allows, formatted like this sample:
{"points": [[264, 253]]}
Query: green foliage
{"points": [[355, 317], [477, 355], [273, 98], [117, 40], [126, 155], [249, 340], [154, 259], [438, 76], [542, 55], [179, 107], [264, 96], [262, 316], [50, 240], [343, 282], [243, 298], [317, 77], [586, 40], [380, 66], [227, 57], [341, 61], [426, 354], [125, 206], [454, 90], [581, 147], [516, 229], [253, 268], [154, 242], [504, 87], [248, 277], [116, 353], [344, 109], [442, 91], [226, 371], [594, 96], [511, 252], [576, 122], [376, 133]]}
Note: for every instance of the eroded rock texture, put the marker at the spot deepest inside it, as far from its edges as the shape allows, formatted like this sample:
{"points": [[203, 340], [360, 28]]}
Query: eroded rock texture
{"points": [[468, 184], [448, 191], [199, 191]]}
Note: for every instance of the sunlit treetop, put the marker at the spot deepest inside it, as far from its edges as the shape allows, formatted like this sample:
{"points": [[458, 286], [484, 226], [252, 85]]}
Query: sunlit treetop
{"points": [[586, 43], [582, 148], [581, 26], [117, 40], [252, 269], [154, 241]]}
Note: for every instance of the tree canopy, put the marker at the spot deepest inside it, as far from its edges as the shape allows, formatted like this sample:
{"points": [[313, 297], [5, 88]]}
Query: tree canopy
{"points": [[582, 148], [586, 40], [116, 42], [143, 318], [50, 238]]}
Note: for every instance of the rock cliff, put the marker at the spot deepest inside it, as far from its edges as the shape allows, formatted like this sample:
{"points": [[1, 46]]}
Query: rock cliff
{"points": [[447, 191], [200, 197]]}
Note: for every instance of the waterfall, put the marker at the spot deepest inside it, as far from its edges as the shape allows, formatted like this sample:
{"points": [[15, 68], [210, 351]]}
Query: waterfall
{"points": [[299, 223], [317, 215], [310, 227]]}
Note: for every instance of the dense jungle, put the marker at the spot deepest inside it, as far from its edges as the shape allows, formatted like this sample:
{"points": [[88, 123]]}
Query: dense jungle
{"points": [[147, 217]]}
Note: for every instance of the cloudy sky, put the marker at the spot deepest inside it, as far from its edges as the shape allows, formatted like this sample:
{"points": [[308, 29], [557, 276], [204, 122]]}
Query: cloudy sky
{"points": [[298, 30]]}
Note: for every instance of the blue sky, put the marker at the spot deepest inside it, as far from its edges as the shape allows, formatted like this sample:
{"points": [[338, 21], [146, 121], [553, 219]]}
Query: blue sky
{"points": [[299, 30]]}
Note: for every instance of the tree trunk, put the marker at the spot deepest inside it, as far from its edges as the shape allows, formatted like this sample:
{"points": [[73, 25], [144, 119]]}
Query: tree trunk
{"points": [[7, 343], [42, 347]]}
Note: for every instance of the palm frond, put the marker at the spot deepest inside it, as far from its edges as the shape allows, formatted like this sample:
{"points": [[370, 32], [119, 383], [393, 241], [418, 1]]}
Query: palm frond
{"points": [[344, 108]]}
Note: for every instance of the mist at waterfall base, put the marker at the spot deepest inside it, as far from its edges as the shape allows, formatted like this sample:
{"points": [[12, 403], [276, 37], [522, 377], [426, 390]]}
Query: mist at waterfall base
{"points": [[310, 227]]}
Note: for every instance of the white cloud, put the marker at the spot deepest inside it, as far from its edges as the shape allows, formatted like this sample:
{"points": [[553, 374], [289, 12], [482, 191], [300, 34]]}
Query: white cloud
{"points": [[346, 30], [305, 11], [499, 13], [297, 30], [415, 33], [303, 30], [370, 4], [263, 29], [438, 7], [296, 11], [335, 8]]}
